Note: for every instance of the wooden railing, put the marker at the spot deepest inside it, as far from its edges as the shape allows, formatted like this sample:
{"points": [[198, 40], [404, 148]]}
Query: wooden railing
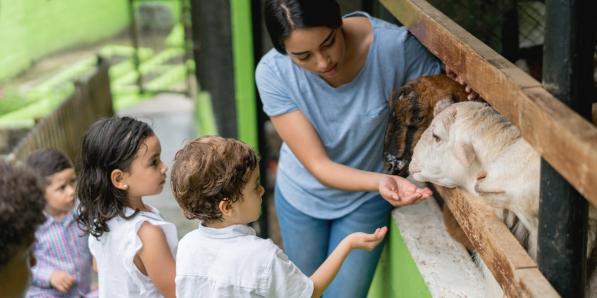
{"points": [[563, 138], [64, 127]]}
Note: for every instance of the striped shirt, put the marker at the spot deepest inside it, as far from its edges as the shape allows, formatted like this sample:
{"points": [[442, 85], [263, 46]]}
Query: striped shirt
{"points": [[60, 245]]}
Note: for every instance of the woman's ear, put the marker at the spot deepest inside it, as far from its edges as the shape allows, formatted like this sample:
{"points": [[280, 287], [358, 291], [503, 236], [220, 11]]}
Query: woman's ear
{"points": [[225, 207], [118, 179]]}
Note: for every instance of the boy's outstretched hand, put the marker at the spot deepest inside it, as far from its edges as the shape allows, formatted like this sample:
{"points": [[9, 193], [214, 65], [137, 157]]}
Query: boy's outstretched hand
{"points": [[399, 191], [366, 241]]}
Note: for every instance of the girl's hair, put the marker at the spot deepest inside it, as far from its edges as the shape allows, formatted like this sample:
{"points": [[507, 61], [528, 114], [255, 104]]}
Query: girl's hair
{"points": [[47, 162], [283, 16], [109, 144]]}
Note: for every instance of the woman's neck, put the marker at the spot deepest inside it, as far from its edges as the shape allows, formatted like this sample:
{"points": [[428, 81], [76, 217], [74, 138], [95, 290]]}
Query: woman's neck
{"points": [[357, 32]]}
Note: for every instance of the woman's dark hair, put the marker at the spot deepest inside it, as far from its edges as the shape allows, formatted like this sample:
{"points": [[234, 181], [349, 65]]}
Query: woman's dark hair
{"points": [[109, 144], [47, 162], [283, 16], [21, 209]]}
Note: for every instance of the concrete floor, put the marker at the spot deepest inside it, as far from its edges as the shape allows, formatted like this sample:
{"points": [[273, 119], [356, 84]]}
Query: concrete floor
{"points": [[171, 117]]}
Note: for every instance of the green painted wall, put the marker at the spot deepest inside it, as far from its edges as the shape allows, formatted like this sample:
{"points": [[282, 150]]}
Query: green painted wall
{"points": [[30, 29], [244, 69], [397, 275]]}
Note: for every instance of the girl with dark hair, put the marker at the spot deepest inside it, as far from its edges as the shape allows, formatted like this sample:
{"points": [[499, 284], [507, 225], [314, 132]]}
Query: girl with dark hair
{"points": [[132, 244], [325, 87]]}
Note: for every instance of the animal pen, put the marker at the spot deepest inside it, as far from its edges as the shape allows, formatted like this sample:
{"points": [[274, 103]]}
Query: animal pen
{"points": [[552, 117], [64, 128]]}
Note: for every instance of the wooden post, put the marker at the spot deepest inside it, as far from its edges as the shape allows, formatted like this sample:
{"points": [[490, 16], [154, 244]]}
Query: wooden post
{"points": [[214, 65], [567, 74]]}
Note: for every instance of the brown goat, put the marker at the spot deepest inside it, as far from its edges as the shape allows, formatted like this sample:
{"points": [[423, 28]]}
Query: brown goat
{"points": [[411, 110]]}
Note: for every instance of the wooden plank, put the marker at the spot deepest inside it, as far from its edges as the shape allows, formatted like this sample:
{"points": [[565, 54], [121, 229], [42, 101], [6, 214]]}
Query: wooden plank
{"points": [[507, 260], [563, 138], [444, 265]]}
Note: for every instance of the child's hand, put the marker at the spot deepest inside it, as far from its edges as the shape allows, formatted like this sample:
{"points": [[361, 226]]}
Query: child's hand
{"points": [[366, 241], [62, 281]]}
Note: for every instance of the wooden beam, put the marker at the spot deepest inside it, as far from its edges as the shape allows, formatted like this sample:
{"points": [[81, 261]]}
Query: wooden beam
{"points": [[563, 138], [507, 260]]}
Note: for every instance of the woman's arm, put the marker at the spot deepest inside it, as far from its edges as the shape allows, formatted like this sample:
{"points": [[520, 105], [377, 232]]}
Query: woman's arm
{"points": [[156, 259], [298, 133]]}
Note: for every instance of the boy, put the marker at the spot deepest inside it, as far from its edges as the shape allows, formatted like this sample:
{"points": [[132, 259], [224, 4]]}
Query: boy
{"points": [[63, 258], [21, 211], [216, 181]]}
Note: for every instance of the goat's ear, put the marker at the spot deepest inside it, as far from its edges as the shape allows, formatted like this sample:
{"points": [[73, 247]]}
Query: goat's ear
{"points": [[441, 105], [465, 153], [449, 117]]}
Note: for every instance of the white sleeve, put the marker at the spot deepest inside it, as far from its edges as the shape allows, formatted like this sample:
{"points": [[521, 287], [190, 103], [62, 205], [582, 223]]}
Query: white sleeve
{"points": [[286, 280]]}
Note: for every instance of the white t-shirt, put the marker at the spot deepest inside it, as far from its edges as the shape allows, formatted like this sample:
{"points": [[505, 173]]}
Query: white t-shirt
{"points": [[233, 262], [114, 253]]}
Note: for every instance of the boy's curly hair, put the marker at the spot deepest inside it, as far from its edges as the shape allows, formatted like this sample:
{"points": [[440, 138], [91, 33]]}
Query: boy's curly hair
{"points": [[208, 170], [21, 208]]}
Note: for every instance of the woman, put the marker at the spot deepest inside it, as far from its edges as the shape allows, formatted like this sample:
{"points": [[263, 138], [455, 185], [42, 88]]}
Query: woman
{"points": [[325, 87]]}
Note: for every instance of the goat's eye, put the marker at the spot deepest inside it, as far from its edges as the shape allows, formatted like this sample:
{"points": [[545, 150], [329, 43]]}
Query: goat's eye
{"points": [[436, 138]]}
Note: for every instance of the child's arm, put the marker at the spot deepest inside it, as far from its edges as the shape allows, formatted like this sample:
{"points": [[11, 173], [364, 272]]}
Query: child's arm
{"points": [[44, 276], [327, 271], [156, 259]]}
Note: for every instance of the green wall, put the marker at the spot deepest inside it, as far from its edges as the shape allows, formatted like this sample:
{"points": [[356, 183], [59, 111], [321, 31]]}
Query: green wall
{"points": [[244, 70], [30, 29], [397, 275]]}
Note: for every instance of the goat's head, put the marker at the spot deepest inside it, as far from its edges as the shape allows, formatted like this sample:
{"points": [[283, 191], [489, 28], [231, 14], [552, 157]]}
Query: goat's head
{"points": [[411, 113]]}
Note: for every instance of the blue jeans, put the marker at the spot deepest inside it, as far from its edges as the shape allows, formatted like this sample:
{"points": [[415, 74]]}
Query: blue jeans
{"points": [[308, 241]]}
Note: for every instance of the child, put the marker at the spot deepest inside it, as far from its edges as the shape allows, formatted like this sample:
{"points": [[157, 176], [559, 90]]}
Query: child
{"points": [[216, 181], [132, 244], [63, 259], [21, 212]]}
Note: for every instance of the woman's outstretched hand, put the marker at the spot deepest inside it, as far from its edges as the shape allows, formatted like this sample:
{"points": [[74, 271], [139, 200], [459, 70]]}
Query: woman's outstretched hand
{"points": [[470, 93], [399, 191]]}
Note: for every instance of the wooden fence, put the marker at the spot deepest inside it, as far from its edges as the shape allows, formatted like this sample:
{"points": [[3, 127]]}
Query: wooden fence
{"points": [[563, 138], [64, 127]]}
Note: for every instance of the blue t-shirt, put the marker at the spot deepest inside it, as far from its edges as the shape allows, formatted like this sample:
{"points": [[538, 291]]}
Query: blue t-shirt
{"points": [[350, 119]]}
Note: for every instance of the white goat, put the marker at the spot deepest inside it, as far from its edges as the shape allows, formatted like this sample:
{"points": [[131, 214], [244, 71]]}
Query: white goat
{"points": [[472, 146]]}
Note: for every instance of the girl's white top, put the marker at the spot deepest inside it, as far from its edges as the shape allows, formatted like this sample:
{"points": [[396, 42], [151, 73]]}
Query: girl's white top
{"points": [[115, 250]]}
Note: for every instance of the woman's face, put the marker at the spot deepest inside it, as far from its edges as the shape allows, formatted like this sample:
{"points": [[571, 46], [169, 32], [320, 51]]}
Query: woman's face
{"points": [[320, 50]]}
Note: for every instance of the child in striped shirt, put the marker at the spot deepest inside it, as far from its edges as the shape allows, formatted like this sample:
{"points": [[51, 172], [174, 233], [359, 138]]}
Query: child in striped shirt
{"points": [[63, 260]]}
